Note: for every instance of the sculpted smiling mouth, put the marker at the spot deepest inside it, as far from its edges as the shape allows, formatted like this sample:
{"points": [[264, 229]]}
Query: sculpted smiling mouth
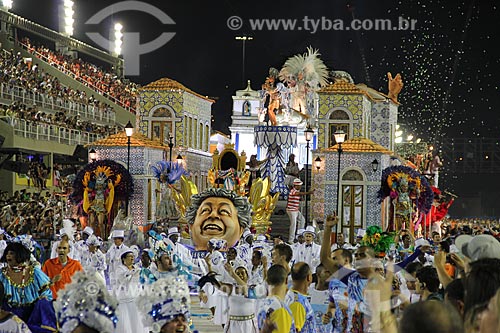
{"points": [[211, 227]]}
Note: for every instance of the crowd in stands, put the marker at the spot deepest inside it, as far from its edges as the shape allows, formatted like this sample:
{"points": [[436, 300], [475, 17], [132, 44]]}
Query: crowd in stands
{"points": [[16, 71], [33, 213], [33, 115], [122, 92]]}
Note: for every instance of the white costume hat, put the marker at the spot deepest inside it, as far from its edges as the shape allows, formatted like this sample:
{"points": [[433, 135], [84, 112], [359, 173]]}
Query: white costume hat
{"points": [[309, 230], [361, 233], [297, 181], [261, 238], [422, 242], [300, 232], [173, 231], [118, 233], [88, 230], [164, 300], [127, 250], [86, 301], [68, 229]]}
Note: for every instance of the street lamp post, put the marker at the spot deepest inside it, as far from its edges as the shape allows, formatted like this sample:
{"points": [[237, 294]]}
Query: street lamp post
{"points": [[129, 130], [243, 39], [339, 138], [170, 146], [308, 133]]}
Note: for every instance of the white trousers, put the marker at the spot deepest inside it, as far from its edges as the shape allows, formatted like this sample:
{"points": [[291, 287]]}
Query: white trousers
{"points": [[295, 216]]}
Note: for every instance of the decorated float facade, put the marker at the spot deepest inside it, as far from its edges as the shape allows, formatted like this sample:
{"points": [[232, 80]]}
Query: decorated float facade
{"points": [[169, 109], [368, 118], [171, 135]]}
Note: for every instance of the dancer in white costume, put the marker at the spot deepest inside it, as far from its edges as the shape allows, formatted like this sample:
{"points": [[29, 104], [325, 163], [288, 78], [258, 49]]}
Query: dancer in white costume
{"points": [[92, 259], [241, 317], [218, 298], [126, 291], [113, 254]]}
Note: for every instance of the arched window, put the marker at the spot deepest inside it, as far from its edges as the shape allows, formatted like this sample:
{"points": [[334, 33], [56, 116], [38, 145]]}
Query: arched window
{"points": [[162, 122], [353, 203], [338, 119]]}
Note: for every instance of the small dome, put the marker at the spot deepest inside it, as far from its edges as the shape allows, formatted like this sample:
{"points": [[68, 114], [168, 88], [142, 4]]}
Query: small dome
{"points": [[341, 76]]}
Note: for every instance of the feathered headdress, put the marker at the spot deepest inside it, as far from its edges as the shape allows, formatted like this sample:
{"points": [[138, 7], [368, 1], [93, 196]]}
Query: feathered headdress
{"points": [[164, 300], [162, 245], [168, 172], [418, 186], [86, 301], [93, 240], [309, 66], [379, 241], [68, 229]]}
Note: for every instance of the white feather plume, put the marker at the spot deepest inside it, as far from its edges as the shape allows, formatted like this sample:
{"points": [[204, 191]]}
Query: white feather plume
{"points": [[68, 227], [314, 71]]}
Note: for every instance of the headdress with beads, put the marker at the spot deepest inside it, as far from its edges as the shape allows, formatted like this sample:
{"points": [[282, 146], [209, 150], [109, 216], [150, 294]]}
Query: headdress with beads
{"points": [[164, 300], [86, 301]]}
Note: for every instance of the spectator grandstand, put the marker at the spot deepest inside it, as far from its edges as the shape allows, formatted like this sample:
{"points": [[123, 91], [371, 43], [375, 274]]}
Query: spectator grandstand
{"points": [[118, 90]]}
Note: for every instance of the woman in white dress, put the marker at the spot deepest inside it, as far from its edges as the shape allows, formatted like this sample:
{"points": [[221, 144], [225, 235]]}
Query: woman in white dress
{"points": [[241, 316], [216, 299], [126, 291]]}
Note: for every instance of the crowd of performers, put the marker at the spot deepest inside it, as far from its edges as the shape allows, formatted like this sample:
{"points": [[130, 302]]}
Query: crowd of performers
{"points": [[382, 283]]}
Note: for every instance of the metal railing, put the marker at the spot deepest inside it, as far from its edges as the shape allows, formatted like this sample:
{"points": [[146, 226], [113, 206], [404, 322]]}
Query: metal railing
{"points": [[86, 112], [47, 132]]}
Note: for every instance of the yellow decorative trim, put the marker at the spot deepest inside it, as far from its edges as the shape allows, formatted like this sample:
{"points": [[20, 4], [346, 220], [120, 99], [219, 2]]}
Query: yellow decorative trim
{"points": [[27, 283]]}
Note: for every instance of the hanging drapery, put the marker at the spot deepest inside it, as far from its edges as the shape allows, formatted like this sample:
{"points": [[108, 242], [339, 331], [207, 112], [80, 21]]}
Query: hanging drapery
{"points": [[276, 139]]}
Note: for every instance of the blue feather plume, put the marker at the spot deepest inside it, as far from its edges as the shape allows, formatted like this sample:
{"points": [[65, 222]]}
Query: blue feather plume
{"points": [[168, 172]]}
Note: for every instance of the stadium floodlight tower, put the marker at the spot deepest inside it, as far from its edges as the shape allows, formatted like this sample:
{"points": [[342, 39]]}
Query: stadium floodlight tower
{"points": [[68, 17], [7, 5], [117, 51]]}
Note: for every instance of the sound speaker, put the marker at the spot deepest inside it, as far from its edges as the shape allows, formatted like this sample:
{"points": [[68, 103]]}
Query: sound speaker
{"points": [[17, 167], [80, 152]]}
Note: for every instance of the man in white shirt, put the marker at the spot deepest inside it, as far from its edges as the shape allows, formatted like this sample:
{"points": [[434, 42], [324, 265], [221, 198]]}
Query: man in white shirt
{"points": [[183, 252], [81, 246], [113, 255], [299, 240], [309, 251], [340, 244]]}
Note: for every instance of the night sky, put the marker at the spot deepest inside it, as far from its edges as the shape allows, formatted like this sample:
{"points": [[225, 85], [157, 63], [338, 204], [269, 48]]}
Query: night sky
{"points": [[449, 63]]}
